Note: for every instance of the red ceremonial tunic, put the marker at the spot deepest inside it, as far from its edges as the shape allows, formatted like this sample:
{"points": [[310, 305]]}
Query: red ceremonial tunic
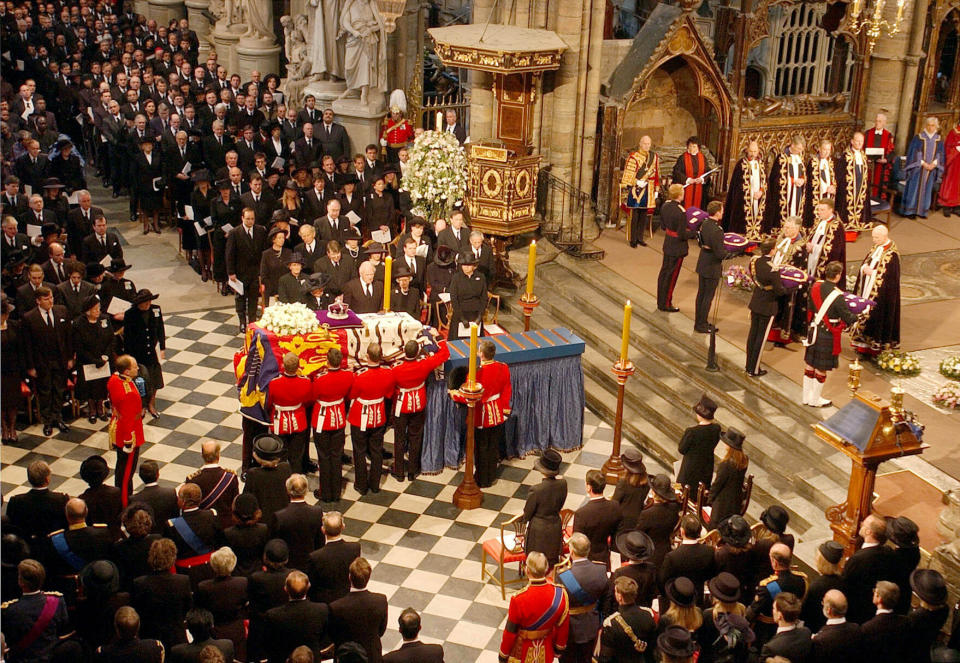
{"points": [[495, 404], [329, 391], [950, 186], [397, 134], [411, 379], [126, 426], [288, 395], [538, 623], [370, 388], [879, 172]]}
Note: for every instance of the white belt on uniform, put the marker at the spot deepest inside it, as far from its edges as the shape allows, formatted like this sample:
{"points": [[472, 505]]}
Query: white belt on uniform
{"points": [[488, 401], [279, 409], [322, 415], [403, 391], [364, 413]]}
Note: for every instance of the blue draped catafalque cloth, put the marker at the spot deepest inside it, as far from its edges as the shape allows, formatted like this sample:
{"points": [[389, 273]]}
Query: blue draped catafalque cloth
{"points": [[547, 412]]}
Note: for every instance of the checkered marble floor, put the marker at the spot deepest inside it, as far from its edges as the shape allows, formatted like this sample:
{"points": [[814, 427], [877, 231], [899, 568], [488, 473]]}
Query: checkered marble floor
{"points": [[426, 552]]}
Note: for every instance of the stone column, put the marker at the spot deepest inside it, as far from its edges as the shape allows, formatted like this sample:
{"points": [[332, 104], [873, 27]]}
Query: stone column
{"points": [[200, 24], [567, 97], [361, 122], [481, 93], [164, 10], [253, 54], [591, 98], [225, 40]]}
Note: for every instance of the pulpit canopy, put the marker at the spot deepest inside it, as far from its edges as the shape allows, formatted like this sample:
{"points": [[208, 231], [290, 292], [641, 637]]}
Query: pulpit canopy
{"points": [[498, 49]]}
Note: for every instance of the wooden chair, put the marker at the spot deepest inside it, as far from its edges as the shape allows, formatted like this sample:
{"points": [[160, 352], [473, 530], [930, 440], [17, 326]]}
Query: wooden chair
{"points": [[683, 496], [492, 319], [505, 549], [747, 492], [703, 497], [443, 312], [566, 527], [711, 538], [754, 530]]}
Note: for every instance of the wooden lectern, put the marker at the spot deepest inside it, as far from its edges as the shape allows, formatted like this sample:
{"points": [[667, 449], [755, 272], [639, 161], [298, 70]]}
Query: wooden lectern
{"points": [[502, 184], [869, 430]]}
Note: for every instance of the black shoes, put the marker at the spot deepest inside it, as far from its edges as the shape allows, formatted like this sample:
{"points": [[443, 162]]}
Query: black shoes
{"points": [[757, 374], [61, 426], [705, 330], [310, 467], [669, 309], [47, 430]]}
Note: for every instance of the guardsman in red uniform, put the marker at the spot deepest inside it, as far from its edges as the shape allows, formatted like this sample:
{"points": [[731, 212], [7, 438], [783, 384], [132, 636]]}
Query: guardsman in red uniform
{"points": [[287, 398], [410, 405], [126, 423], [368, 419], [395, 132], [330, 390], [538, 619], [491, 413]]}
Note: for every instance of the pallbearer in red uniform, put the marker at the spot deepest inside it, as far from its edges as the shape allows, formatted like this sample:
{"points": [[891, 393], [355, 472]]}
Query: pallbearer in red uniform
{"points": [[743, 211], [410, 406], [879, 280], [853, 200], [950, 186], [787, 186], [330, 390], [791, 252], [126, 423], [538, 619], [368, 419], [288, 395], [689, 172], [490, 414], [821, 180], [638, 189], [879, 139]]}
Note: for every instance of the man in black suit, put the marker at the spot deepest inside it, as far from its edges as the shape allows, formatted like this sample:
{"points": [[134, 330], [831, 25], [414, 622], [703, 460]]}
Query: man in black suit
{"points": [[70, 549], [333, 138], [127, 647], [298, 523], [763, 305], [599, 518], [675, 248], [176, 155], [792, 641], [215, 147], [332, 226], [691, 559], [245, 245], [839, 640], [886, 636], [36, 215], [266, 590], [412, 650], [74, 292], [306, 149], [49, 356], [456, 235], [315, 201], [784, 579], [309, 113], [416, 265], [586, 585], [361, 615], [39, 511], [55, 269], [161, 499], [200, 624], [364, 294], [865, 567], [12, 202], [337, 266], [27, 293], [246, 148], [298, 622], [80, 221], [484, 254], [452, 126], [309, 248], [32, 168], [328, 567], [709, 265], [100, 243], [261, 202], [14, 242]]}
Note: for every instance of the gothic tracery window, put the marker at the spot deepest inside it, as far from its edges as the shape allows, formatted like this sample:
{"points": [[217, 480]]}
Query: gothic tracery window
{"points": [[802, 53]]}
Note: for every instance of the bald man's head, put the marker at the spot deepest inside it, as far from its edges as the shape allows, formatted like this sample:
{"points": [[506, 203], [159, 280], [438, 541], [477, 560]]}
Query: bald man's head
{"points": [[834, 604], [780, 556], [210, 451], [297, 585], [76, 510]]}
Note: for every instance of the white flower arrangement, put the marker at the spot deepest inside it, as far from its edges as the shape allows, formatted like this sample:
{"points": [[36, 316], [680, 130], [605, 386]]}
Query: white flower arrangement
{"points": [[947, 396], [436, 174], [950, 367], [289, 319], [898, 362]]}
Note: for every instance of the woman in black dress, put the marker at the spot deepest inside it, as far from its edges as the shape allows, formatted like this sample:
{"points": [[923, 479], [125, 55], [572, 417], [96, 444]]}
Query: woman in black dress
{"points": [[12, 369], [697, 445], [438, 276], [542, 510], [632, 488], [149, 184], [201, 198], [380, 210], [142, 334], [468, 295], [273, 262], [249, 536], [225, 211], [735, 553], [660, 518], [96, 345], [726, 492], [827, 561]]}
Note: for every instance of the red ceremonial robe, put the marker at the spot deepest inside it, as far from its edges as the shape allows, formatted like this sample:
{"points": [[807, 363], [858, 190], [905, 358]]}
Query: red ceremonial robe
{"points": [[126, 426], [692, 166], [538, 623], [879, 172], [950, 186]]}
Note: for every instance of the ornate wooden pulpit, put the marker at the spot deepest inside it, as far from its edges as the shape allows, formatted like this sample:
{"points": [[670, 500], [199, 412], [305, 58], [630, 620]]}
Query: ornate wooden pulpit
{"points": [[869, 430], [501, 192]]}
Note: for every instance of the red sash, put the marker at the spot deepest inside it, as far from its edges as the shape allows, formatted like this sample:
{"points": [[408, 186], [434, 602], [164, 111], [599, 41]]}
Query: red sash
{"points": [[39, 626], [693, 194]]}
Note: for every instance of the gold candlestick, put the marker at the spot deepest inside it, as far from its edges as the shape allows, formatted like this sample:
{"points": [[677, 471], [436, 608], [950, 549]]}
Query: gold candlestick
{"points": [[468, 494], [528, 301], [613, 467], [853, 379]]}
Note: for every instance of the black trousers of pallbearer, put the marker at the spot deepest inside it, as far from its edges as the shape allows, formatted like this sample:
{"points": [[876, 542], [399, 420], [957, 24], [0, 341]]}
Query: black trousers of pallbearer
{"points": [[367, 443], [329, 444], [408, 444], [706, 289], [667, 280], [759, 330], [297, 450], [487, 456]]}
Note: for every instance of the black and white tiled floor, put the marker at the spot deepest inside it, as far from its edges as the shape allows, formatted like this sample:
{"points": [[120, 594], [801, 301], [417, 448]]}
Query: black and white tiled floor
{"points": [[426, 552]]}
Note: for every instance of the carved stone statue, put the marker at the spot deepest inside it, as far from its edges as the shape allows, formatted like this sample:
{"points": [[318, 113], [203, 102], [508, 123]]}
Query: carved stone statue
{"points": [[326, 39], [259, 19], [297, 50], [365, 53], [228, 12]]}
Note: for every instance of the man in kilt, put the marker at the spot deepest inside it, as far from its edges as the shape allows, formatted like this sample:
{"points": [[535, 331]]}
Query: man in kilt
{"points": [[828, 315]]}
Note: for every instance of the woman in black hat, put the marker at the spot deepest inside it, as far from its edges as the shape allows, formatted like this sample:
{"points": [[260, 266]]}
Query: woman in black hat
{"points": [[735, 553], [636, 547], [697, 445], [660, 518], [827, 562], [726, 491], [100, 599], [142, 335], [676, 645], [225, 211], [682, 611], [55, 201], [468, 295], [96, 346], [542, 510], [12, 369], [149, 186], [201, 200], [267, 479], [273, 262], [438, 276], [249, 536], [725, 592], [632, 488], [930, 615], [290, 202], [904, 534]]}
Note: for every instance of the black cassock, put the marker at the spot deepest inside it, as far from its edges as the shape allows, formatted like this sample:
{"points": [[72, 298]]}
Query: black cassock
{"points": [[784, 197], [880, 328], [738, 215]]}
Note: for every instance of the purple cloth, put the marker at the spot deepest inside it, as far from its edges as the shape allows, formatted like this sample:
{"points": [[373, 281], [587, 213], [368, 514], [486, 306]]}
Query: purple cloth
{"points": [[857, 304], [736, 243], [695, 217], [352, 320], [792, 277]]}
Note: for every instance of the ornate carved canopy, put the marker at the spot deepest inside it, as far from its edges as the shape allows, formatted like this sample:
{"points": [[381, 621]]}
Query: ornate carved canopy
{"points": [[498, 49]]}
